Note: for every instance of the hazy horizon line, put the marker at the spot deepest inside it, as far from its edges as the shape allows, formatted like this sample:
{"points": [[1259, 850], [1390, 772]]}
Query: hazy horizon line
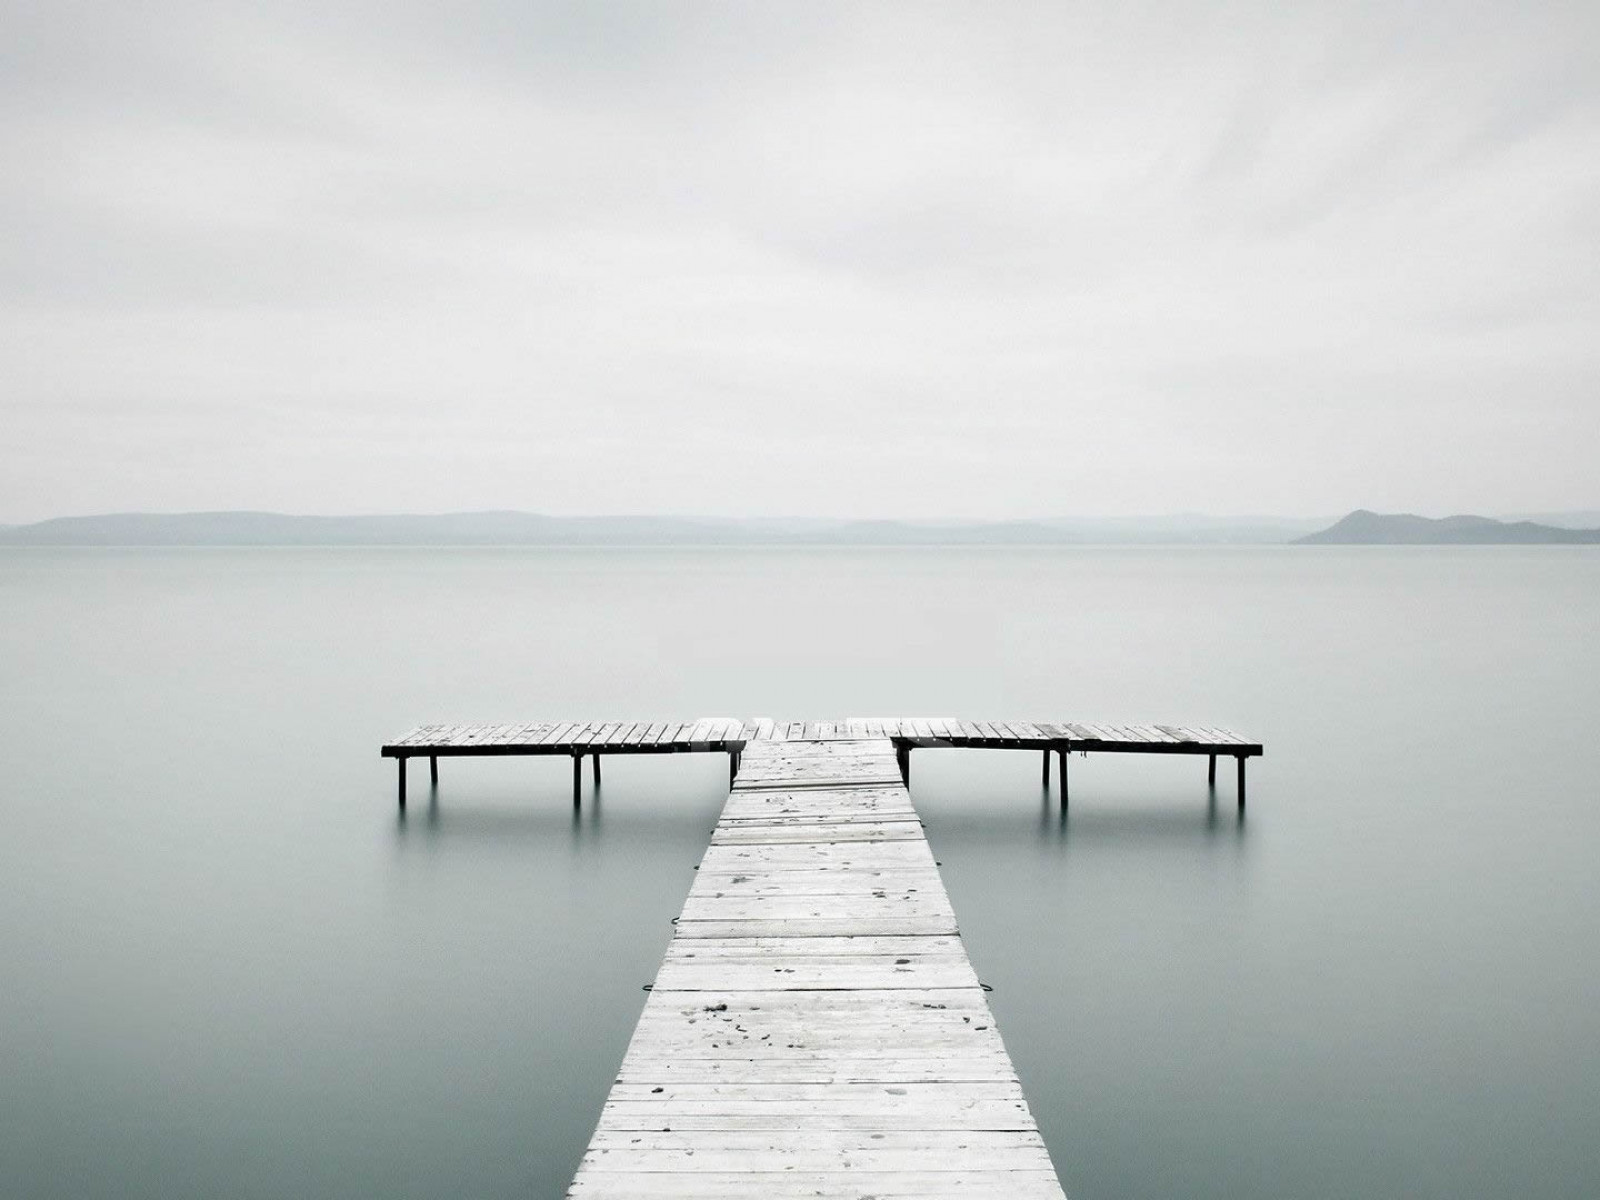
{"points": [[874, 518]]}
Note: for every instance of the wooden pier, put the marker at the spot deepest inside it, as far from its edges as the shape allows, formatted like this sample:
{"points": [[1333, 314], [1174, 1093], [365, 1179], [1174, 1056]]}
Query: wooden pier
{"points": [[816, 1028], [731, 735]]}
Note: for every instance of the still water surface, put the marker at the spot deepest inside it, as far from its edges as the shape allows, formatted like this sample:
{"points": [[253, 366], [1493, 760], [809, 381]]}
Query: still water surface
{"points": [[229, 970]]}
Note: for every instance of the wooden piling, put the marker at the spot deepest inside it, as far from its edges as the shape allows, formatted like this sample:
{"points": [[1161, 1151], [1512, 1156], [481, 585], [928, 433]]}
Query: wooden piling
{"points": [[433, 769], [1211, 770], [402, 761], [1045, 779], [1241, 784], [597, 770], [577, 781]]}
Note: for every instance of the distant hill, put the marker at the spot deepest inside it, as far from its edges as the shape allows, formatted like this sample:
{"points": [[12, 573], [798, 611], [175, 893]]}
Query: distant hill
{"points": [[533, 529], [1364, 528], [1583, 518], [278, 529]]}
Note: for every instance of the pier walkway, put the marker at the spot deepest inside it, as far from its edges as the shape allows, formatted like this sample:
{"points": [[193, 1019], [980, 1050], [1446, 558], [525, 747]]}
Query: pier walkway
{"points": [[816, 1028]]}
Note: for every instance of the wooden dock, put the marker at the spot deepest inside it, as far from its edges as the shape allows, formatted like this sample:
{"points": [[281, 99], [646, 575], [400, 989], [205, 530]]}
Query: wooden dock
{"points": [[816, 1028], [731, 736]]}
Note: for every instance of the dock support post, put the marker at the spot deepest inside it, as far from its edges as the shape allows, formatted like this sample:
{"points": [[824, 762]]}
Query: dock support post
{"points": [[1046, 776], [733, 766], [433, 769], [597, 770], [1064, 783], [902, 754], [1241, 785], [577, 782], [402, 761], [1211, 770]]}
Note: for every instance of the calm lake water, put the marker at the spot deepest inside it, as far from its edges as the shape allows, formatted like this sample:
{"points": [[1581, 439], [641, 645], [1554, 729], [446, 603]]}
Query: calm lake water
{"points": [[230, 970]]}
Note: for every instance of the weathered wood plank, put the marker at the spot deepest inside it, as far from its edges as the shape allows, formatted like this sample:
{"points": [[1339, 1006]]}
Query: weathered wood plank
{"points": [[711, 902], [825, 881], [749, 833], [807, 1141], [950, 1114], [838, 1185], [842, 1097], [683, 1153]]}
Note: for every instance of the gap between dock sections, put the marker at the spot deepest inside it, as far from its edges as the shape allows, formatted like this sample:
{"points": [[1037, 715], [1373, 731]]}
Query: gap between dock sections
{"points": [[816, 1028]]}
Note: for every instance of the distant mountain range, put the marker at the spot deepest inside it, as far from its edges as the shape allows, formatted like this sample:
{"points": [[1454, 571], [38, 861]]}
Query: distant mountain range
{"points": [[1363, 528], [533, 529]]}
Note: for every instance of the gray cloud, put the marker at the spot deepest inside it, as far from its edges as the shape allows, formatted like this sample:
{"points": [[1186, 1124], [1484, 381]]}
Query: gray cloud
{"points": [[923, 259]]}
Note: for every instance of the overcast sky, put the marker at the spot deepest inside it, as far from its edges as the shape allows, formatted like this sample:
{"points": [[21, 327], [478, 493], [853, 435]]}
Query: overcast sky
{"points": [[990, 259]]}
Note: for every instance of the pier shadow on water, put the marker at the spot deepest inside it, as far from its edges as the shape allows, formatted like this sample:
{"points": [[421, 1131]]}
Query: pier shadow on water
{"points": [[1168, 816], [525, 801], [538, 822]]}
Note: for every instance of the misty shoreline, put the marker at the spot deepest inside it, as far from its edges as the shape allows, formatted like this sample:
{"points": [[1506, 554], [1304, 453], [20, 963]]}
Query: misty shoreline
{"points": [[518, 529]]}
